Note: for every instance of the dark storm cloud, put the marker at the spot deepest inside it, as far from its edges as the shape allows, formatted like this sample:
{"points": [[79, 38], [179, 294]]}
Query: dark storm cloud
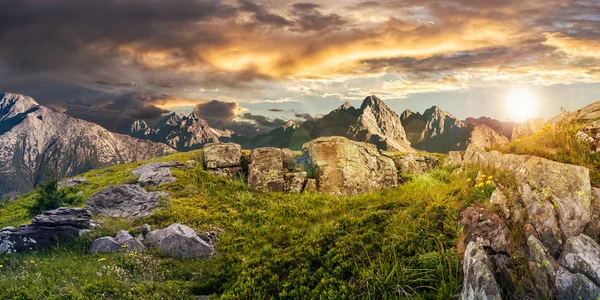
{"points": [[309, 18], [117, 112], [262, 15], [224, 115]]}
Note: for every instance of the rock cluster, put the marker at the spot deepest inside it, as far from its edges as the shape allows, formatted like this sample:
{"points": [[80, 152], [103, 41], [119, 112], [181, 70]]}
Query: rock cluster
{"points": [[274, 170], [123, 241], [124, 201], [345, 167], [48, 229], [550, 206], [223, 159]]}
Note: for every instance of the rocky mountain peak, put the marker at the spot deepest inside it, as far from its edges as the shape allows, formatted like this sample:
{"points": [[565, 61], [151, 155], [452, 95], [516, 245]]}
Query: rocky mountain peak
{"points": [[139, 127], [12, 105], [345, 106], [291, 124]]}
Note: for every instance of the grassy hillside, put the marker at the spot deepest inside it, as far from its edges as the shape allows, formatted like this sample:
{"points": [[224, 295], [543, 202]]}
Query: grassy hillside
{"points": [[380, 245]]}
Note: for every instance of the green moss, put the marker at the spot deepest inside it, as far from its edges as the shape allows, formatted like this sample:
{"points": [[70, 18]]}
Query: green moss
{"points": [[380, 245]]}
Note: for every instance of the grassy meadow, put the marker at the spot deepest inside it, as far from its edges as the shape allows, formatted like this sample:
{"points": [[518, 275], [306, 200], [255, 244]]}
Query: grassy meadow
{"points": [[396, 243]]}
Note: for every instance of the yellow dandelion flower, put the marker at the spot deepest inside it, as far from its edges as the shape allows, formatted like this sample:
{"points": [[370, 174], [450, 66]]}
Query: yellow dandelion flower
{"points": [[31, 261], [490, 177], [489, 182], [1, 266], [102, 259], [125, 246], [478, 179], [469, 180]]}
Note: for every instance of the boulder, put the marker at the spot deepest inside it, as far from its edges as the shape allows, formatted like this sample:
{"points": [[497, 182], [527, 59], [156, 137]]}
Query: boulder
{"points": [[72, 182], [294, 182], [345, 167], [489, 229], [582, 255], [573, 286], [479, 281], [224, 155], [265, 172], [155, 173], [124, 201], [415, 163], [48, 229], [122, 242], [229, 173], [556, 197], [180, 241]]}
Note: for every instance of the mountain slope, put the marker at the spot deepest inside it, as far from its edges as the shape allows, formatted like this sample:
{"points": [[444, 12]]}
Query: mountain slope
{"points": [[36, 141]]}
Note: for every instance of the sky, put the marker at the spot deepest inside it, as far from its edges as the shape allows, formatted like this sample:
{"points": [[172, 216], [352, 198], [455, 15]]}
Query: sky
{"points": [[250, 65]]}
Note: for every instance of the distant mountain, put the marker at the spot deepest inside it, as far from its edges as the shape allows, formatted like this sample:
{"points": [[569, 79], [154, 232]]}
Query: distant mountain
{"points": [[505, 128], [36, 141], [439, 131], [374, 122], [182, 132]]}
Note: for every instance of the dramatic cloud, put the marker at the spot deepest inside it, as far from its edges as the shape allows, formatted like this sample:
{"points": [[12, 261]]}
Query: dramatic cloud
{"points": [[289, 53]]}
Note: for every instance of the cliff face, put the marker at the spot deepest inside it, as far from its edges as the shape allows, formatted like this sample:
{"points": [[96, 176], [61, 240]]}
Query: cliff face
{"points": [[36, 142]]}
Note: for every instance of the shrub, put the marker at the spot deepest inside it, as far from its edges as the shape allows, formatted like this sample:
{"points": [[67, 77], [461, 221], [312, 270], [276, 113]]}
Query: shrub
{"points": [[48, 197]]}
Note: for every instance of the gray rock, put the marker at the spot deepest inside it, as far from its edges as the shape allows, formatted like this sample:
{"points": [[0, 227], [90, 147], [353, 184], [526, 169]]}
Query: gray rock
{"points": [[48, 229], [573, 286], [72, 182], [294, 182], [124, 201], [122, 242], [541, 266], [155, 173], [582, 255], [415, 163], [225, 155], [179, 241], [265, 172], [289, 159], [345, 167], [592, 229], [479, 281]]}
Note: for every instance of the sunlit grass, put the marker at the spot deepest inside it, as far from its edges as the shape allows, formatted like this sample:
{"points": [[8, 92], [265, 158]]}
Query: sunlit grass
{"points": [[380, 245]]}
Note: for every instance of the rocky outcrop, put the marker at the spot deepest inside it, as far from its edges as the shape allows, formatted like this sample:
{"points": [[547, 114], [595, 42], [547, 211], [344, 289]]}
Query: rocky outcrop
{"points": [[483, 137], [592, 229], [72, 182], [180, 241], [223, 159], [588, 114], [155, 173], [36, 141], [415, 163], [46, 230], [539, 212], [122, 242], [265, 172], [479, 281], [555, 197], [345, 167], [124, 201]]}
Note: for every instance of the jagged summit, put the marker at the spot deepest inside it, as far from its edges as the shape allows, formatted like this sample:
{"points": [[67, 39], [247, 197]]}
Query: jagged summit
{"points": [[180, 131], [289, 125], [13, 104]]}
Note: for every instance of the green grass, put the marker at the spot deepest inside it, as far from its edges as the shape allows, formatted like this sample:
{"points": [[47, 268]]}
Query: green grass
{"points": [[559, 144], [397, 243]]}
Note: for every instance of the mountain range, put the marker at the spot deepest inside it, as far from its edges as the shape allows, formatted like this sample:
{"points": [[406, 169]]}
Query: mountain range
{"points": [[36, 142]]}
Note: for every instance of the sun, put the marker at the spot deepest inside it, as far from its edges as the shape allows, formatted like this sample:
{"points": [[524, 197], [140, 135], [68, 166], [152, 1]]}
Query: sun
{"points": [[521, 104]]}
